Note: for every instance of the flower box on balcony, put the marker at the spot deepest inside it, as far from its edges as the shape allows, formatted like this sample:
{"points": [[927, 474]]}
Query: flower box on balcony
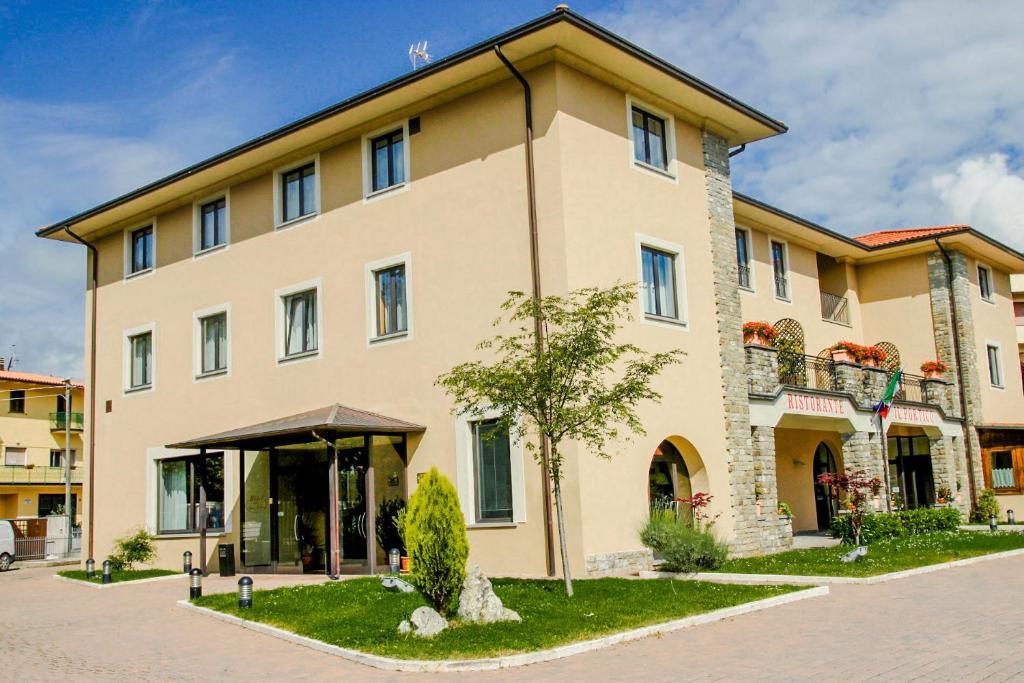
{"points": [[760, 333], [843, 356], [933, 369]]}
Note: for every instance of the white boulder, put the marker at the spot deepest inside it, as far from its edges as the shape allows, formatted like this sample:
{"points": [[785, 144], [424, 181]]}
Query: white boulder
{"points": [[425, 622], [478, 603]]}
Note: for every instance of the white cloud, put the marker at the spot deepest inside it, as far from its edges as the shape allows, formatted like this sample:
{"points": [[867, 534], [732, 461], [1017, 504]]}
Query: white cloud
{"points": [[984, 193]]}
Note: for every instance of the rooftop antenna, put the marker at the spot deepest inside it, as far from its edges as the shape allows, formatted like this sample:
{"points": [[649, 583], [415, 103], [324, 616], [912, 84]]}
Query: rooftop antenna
{"points": [[418, 53]]}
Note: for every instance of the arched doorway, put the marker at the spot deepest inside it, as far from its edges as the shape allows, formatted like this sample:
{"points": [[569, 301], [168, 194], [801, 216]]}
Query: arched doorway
{"points": [[668, 478], [825, 503]]}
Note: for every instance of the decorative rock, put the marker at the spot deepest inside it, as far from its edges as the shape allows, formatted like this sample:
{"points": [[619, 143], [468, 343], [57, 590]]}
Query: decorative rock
{"points": [[855, 554], [479, 604], [424, 623], [393, 583]]}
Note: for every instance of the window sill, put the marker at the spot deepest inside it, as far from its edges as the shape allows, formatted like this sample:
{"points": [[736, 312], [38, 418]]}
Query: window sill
{"points": [[387, 190], [783, 299], [138, 273], [990, 300], [298, 356], [210, 250], [138, 390], [395, 336], [836, 322], [295, 221], [171, 535], [998, 387], [662, 320], [663, 172], [213, 374], [492, 525], [748, 290]]}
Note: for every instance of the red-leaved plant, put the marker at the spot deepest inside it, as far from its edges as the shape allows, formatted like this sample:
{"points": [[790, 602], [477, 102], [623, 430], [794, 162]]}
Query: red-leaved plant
{"points": [[699, 503], [853, 490]]}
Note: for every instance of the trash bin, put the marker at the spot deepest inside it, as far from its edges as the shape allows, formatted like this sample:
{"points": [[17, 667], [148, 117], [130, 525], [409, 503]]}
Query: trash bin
{"points": [[226, 559]]}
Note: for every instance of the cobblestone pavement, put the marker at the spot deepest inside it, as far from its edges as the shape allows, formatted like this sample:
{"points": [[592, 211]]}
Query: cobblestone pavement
{"points": [[961, 624]]}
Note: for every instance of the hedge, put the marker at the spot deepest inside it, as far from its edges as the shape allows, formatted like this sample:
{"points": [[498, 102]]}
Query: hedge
{"points": [[881, 525]]}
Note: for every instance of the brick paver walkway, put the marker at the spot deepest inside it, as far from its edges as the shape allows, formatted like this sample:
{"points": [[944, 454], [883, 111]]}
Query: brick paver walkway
{"points": [[961, 624]]}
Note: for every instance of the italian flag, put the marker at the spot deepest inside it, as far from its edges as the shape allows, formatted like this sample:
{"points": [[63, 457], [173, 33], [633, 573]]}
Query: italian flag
{"points": [[882, 407]]}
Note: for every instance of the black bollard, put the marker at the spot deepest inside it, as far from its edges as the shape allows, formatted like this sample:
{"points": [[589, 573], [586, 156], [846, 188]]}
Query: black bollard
{"points": [[90, 568], [107, 569], [244, 592], [186, 561], [195, 584]]}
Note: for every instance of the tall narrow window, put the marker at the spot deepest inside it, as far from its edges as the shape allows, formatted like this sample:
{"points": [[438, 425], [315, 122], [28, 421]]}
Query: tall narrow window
{"points": [[392, 310], [213, 224], [985, 282], [659, 283], [141, 363], [142, 250], [649, 143], [213, 332], [493, 473], [298, 192], [995, 367], [300, 324], [182, 483], [780, 269], [743, 257], [17, 401], [388, 158]]}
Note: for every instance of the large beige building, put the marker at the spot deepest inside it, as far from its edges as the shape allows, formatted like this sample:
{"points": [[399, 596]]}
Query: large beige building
{"points": [[267, 325]]}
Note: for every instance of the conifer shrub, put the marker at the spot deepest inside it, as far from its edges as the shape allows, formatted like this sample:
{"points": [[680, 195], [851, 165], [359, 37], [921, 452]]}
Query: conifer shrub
{"points": [[435, 538]]}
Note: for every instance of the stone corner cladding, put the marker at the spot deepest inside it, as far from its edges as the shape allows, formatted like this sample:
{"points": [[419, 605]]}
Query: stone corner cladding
{"points": [[623, 560], [751, 535], [762, 369]]}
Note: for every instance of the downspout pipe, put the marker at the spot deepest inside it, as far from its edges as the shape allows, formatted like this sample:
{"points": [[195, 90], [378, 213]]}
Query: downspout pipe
{"points": [[538, 325], [958, 359], [91, 388], [739, 150]]}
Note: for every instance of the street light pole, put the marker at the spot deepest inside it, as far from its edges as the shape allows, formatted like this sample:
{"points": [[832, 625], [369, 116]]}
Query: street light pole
{"points": [[67, 463]]}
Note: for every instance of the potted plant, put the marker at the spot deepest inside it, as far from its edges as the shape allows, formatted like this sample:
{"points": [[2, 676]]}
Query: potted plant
{"points": [[308, 546], [784, 510], [943, 495], [399, 522], [845, 352], [759, 332], [872, 356], [933, 369]]}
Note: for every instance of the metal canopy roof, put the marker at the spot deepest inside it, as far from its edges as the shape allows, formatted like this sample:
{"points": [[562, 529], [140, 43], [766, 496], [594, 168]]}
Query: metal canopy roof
{"points": [[332, 420]]}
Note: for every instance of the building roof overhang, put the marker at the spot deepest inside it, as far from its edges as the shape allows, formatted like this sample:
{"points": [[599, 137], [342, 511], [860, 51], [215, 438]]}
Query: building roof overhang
{"points": [[329, 422], [560, 35]]}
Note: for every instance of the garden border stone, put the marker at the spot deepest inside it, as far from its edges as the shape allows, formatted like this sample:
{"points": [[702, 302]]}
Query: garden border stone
{"points": [[508, 661], [798, 580], [119, 583]]}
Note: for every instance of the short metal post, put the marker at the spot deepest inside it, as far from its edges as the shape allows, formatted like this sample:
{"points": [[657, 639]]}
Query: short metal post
{"points": [[992, 524], [186, 561], [107, 568], [1010, 519], [394, 559], [195, 584], [244, 593], [90, 568]]}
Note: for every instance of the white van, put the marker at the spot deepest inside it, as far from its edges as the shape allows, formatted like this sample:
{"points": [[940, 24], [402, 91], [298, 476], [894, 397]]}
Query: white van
{"points": [[6, 544]]}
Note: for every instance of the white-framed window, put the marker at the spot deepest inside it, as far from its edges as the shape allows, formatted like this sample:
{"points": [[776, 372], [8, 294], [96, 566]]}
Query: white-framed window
{"points": [[299, 321], [662, 275], [139, 358], [179, 484], [57, 457], [780, 270], [15, 456], [297, 192], [140, 249], [652, 138], [211, 223], [994, 353], [386, 162], [212, 341], [985, 284], [745, 259], [389, 299], [490, 473]]}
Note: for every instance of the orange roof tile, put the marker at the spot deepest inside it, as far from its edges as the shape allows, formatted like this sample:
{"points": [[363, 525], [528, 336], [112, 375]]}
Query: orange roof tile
{"points": [[32, 378], [883, 238]]}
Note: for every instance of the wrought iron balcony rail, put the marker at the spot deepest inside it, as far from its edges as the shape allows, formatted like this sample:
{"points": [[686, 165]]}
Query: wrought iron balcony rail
{"points": [[12, 474], [911, 389], [835, 308], [59, 420], [782, 286], [744, 276], [811, 372]]}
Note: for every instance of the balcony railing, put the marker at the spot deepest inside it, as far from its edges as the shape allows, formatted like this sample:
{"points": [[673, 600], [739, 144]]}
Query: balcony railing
{"points": [[781, 286], [811, 372], [912, 390], [10, 474], [744, 276], [835, 308], [59, 420]]}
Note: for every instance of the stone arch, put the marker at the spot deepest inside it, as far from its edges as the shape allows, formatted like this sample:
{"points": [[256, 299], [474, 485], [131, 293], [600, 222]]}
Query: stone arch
{"points": [[791, 346]]}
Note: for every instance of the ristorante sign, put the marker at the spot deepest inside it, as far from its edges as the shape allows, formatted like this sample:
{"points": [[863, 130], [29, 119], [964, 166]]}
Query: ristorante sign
{"points": [[817, 405]]}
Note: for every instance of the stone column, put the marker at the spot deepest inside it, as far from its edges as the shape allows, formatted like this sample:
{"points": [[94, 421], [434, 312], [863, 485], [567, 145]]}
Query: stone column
{"points": [[776, 533], [762, 369], [863, 451], [849, 380], [732, 361], [956, 446], [940, 393], [944, 470]]}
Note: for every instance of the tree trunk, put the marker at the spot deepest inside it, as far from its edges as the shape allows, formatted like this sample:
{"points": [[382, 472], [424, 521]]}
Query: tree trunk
{"points": [[561, 536]]}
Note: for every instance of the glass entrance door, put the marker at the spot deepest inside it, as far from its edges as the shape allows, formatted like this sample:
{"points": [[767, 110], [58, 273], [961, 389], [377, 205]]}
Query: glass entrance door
{"points": [[825, 504], [352, 463]]}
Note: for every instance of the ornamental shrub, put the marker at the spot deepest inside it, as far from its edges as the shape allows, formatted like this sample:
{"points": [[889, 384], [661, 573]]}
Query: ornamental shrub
{"points": [[435, 538], [682, 546], [131, 550], [986, 506], [880, 525]]}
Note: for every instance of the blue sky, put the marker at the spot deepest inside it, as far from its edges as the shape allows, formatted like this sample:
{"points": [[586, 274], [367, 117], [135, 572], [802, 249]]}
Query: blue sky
{"points": [[900, 113]]}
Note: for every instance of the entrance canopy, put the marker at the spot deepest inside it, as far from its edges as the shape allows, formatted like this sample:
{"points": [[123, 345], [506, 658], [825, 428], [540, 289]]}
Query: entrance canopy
{"points": [[330, 422]]}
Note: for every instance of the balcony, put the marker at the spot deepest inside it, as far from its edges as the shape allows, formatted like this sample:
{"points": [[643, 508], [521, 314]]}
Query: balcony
{"points": [[744, 276], [37, 475], [808, 372], [835, 308], [58, 421]]}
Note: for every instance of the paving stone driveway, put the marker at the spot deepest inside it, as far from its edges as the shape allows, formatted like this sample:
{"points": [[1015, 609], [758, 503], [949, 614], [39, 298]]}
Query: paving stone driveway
{"points": [[960, 624]]}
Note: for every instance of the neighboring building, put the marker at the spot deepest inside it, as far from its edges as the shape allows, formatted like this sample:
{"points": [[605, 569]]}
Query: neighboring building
{"points": [[32, 429], [259, 314]]}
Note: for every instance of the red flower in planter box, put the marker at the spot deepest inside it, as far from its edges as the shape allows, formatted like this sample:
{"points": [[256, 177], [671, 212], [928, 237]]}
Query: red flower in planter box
{"points": [[759, 332], [933, 369]]}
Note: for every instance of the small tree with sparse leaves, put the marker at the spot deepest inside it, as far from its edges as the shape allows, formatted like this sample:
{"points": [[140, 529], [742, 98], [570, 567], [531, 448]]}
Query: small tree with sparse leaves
{"points": [[578, 383]]}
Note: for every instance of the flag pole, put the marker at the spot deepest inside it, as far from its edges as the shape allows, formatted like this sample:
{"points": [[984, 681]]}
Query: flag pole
{"points": [[885, 462]]}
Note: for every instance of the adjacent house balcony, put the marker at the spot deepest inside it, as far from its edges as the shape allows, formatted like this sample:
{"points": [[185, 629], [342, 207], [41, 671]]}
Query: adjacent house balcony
{"points": [[835, 308], [29, 474], [59, 421]]}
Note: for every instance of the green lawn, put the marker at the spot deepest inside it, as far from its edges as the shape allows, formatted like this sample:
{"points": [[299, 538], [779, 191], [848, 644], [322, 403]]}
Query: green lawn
{"points": [[361, 615], [891, 555], [118, 577]]}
